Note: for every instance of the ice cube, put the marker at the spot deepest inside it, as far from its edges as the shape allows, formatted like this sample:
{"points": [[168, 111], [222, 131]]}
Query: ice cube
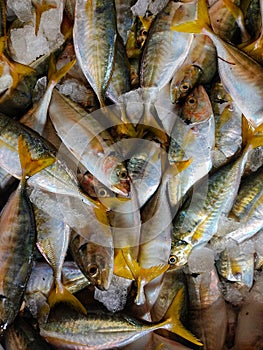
{"points": [[21, 8], [114, 299], [201, 260], [25, 46]]}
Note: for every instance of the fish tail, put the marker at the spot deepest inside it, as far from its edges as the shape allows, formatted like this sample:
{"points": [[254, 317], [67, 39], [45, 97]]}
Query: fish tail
{"points": [[252, 137], [172, 319], [120, 267], [55, 75], [40, 8], [17, 70], [145, 276], [178, 167], [197, 25], [60, 294], [29, 165]]}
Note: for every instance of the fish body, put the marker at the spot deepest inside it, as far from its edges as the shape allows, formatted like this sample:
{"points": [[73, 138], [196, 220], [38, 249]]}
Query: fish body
{"points": [[94, 34], [199, 67], [102, 331], [228, 126], [94, 148], [207, 309], [94, 260], [214, 197], [159, 61], [21, 335]]}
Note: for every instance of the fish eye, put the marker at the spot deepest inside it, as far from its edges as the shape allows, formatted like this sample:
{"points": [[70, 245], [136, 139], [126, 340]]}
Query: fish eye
{"points": [[172, 260], [102, 192], [122, 174], [93, 270], [184, 87], [191, 101], [143, 32]]}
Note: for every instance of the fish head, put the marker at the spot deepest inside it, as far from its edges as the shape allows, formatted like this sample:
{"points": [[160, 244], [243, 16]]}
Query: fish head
{"points": [[179, 254], [120, 179], [99, 266], [184, 82], [197, 106], [93, 187]]}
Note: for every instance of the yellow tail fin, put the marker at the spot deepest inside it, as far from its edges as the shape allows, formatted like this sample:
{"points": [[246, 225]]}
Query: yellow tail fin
{"points": [[120, 267], [195, 26], [40, 8], [172, 319], [55, 75], [252, 137], [29, 165], [60, 294]]}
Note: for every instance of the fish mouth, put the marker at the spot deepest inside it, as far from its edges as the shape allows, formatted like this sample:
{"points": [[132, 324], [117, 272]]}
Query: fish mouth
{"points": [[104, 280], [123, 187]]}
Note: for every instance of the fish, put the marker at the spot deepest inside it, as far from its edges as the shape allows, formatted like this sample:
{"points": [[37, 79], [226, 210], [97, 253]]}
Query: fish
{"points": [[247, 209], [95, 21], [207, 309], [94, 148], [215, 197], [120, 82], [18, 237], [240, 74], [21, 335], [102, 331], [254, 49], [197, 106], [199, 67], [194, 141], [124, 18], [52, 241], [236, 264], [94, 260], [228, 126], [38, 287]]}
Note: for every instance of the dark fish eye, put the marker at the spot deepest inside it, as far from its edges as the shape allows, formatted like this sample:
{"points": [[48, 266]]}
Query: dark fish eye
{"points": [[122, 174], [93, 270], [191, 101], [172, 260], [102, 192], [184, 87]]}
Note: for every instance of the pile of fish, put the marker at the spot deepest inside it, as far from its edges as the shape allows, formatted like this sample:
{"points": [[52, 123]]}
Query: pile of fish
{"points": [[131, 169]]}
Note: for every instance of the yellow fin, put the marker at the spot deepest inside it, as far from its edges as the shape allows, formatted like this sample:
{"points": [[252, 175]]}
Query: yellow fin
{"points": [[131, 263], [40, 8], [16, 70], [62, 295], [257, 138], [239, 17], [195, 26], [31, 166], [172, 319], [152, 272], [247, 131], [55, 75], [120, 267]]}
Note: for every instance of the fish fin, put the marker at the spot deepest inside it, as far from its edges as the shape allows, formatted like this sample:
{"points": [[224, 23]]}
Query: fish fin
{"points": [[29, 165], [131, 263], [176, 168], [172, 319], [146, 22], [101, 215], [62, 295], [16, 70], [196, 26], [145, 276], [237, 13], [55, 75], [252, 137], [120, 267], [257, 138], [152, 272], [40, 8], [247, 131]]}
